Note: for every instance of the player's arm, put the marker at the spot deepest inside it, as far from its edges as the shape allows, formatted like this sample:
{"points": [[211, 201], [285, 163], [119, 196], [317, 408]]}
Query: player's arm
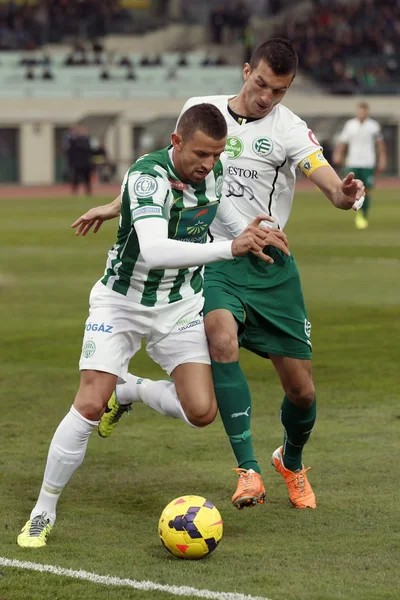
{"points": [[381, 165], [340, 150], [343, 193], [339, 154], [160, 252], [147, 197], [96, 216]]}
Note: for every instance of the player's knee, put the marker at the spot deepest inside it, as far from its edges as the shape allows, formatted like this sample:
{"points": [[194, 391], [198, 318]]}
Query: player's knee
{"points": [[203, 413], [301, 394], [92, 396], [202, 420], [224, 346]]}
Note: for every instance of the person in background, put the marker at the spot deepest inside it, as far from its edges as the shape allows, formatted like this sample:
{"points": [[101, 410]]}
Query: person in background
{"points": [[80, 160], [361, 141]]}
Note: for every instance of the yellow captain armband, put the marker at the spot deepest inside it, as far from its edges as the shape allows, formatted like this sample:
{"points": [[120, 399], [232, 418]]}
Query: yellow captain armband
{"points": [[313, 162]]}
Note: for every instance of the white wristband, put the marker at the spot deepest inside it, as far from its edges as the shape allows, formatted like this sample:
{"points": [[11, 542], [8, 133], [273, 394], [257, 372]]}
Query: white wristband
{"points": [[358, 203]]}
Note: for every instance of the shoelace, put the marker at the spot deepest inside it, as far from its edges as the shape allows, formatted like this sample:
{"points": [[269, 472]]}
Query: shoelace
{"points": [[38, 523], [301, 480], [245, 476]]}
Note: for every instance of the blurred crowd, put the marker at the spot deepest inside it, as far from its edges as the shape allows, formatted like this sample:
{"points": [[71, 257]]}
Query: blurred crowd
{"points": [[352, 46], [94, 54], [27, 26]]}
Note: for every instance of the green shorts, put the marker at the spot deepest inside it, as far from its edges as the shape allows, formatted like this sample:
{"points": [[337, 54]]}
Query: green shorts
{"points": [[266, 301], [367, 176]]}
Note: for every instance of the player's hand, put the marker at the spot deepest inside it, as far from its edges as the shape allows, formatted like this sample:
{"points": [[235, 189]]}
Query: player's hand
{"points": [[254, 239], [275, 237], [95, 216], [353, 189]]}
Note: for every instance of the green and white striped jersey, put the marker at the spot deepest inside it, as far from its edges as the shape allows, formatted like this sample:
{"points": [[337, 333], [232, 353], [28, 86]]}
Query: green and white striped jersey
{"points": [[152, 188]]}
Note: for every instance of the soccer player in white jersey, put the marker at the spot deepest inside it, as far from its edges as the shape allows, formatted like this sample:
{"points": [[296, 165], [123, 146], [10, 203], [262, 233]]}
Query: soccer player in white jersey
{"points": [[362, 142], [247, 302], [152, 289]]}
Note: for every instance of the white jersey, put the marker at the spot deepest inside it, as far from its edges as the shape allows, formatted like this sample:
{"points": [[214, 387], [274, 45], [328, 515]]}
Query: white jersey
{"points": [[262, 159], [361, 138]]}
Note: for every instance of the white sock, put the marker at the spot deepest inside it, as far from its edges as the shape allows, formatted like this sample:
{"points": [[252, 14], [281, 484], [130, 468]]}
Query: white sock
{"points": [[161, 395], [128, 391], [66, 453]]}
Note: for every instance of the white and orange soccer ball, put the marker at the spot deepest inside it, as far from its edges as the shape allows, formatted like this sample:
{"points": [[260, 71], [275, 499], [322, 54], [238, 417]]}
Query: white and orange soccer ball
{"points": [[190, 527]]}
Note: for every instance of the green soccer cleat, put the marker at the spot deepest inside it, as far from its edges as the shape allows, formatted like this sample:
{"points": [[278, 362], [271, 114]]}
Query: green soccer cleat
{"points": [[35, 532], [112, 414]]}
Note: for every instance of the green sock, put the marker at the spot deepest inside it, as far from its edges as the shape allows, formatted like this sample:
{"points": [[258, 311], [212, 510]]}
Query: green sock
{"points": [[298, 423], [366, 205], [234, 403]]}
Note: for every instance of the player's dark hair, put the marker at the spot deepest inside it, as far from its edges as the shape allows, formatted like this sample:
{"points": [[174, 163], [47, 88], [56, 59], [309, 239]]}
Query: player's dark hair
{"points": [[206, 118], [279, 54]]}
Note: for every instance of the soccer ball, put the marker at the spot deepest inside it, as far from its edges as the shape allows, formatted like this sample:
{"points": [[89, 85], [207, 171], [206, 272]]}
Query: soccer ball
{"points": [[190, 527]]}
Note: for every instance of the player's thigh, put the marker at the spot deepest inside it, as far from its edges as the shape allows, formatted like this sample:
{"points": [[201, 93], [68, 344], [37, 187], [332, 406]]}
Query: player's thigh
{"points": [[296, 378], [112, 333], [177, 335], [224, 308], [276, 316], [195, 390]]}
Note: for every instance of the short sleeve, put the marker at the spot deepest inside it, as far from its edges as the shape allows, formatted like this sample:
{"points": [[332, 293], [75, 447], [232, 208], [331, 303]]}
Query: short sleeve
{"points": [[344, 137], [378, 132], [147, 195], [300, 142]]}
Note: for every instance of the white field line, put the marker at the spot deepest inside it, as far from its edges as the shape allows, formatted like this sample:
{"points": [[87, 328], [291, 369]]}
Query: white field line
{"points": [[146, 586]]}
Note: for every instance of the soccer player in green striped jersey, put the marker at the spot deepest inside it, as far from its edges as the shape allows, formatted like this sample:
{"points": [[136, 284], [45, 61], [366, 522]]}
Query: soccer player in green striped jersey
{"points": [[152, 289]]}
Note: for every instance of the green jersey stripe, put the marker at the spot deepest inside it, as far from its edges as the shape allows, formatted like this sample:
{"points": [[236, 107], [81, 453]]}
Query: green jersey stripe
{"points": [[149, 296], [196, 282], [174, 294]]}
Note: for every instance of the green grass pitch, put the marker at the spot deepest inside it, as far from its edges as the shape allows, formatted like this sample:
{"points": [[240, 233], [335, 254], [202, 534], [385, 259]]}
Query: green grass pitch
{"points": [[347, 549]]}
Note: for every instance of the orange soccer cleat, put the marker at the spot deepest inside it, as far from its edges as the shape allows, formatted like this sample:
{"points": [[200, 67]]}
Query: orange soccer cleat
{"points": [[250, 489], [300, 491]]}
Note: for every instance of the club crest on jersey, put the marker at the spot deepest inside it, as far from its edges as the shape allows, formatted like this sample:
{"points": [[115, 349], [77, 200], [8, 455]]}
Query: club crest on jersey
{"points": [[145, 186], [218, 186], [263, 146], [234, 147]]}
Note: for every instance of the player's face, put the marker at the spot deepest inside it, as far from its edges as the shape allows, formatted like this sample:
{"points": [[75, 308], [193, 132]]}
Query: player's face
{"points": [[263, 89], [362, 113], [196, 157]]}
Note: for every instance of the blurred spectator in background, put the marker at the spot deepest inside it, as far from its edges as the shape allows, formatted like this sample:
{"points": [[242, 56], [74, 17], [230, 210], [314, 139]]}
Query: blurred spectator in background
{"points": [[80, 159], [239, 18], [68, 135], [218, 21], [172, 74], [125, 61], [351, 46], [145, 61], [105, 74], [130, 74], [249, 43], [47, 74], [182, 60], [102, 165], [30, 73]]}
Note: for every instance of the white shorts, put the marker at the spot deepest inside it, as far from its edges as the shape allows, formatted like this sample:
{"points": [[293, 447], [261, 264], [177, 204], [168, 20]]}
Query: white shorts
{"points": [[174, 333]]}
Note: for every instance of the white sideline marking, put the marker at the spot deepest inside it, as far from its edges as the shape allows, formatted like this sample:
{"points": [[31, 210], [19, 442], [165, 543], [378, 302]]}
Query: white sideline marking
{"points": [[147, 586]]}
